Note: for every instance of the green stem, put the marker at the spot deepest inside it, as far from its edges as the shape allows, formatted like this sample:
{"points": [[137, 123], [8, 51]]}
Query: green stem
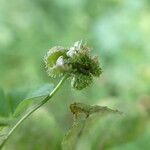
{"points": [[34, 109]]}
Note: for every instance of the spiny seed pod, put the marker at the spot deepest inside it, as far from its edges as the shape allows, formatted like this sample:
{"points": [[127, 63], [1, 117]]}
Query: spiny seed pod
{"points": [[83, 66], [54, 61], [95, 68], [76, 62], [81, 81]]}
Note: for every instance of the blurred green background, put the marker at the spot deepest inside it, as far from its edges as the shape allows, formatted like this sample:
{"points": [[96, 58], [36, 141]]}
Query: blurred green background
{"points": [[119, 33]]}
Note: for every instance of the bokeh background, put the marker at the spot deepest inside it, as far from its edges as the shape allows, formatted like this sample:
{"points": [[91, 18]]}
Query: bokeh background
{"points": [[118, 32]]}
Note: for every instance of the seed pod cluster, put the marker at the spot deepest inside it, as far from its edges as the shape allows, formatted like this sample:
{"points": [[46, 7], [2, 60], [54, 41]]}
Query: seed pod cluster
{"points": [[76, 62]]}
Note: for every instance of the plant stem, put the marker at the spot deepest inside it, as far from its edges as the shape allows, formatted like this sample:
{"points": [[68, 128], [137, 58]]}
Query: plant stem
{"points": [[34, 109]]}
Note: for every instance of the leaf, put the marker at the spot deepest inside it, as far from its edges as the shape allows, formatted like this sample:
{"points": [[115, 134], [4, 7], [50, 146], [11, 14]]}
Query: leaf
{"points": [[29, 104], [71, 138], [4, 107], [81, 108], [34, 96], [15, 96], [2, 124], [86, 117], [4, 121]]}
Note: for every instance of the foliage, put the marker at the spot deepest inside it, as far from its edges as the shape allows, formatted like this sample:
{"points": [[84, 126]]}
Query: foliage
{"points": [[118, 31], [66, 67], [26, 106], [85, 115]]}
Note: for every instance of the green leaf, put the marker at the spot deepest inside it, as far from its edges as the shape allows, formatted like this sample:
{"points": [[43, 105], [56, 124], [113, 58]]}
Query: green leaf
{"points": [[34, 96], [4, 107], [15, 96], [86, 117], [71, 138], [4, 122], [24, 108]]}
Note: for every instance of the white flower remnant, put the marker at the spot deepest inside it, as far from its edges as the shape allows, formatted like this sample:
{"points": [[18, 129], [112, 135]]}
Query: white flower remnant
{"points": [[60, 61]]}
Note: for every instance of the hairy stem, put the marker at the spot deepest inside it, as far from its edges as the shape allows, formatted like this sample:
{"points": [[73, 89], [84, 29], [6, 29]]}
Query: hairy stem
{"points": [[34, 109]]}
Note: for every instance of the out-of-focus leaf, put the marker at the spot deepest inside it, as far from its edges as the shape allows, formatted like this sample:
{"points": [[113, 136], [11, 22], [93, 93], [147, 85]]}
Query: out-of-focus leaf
{"points": [[34, 96], [39, 123], [4, 107], [4, 121], [109, 131], [15, 96], [2, 124], [71, 138], [86, 117], [25, 107]]}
